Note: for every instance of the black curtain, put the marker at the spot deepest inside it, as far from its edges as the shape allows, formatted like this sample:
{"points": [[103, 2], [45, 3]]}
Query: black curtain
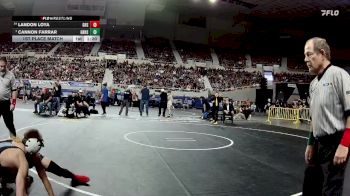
{"points": [[261, 97], [303, 90]]}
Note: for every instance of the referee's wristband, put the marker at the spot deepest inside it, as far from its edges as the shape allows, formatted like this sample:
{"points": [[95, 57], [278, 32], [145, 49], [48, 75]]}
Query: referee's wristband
{"points": [[13, 102], [311, 140], [346, 138]]}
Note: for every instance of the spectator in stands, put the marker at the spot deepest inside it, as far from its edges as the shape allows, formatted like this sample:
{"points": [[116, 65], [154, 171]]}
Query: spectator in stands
{"points": [[163, 102]]}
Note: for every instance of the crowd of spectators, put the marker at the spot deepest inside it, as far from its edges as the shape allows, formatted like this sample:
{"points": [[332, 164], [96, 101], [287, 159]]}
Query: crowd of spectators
{"points": [[114, 47], [224, 80], [191, 51], [6, 44], [293, 77], [53, 68], [158, 49], [158, 76], [74, 49], [265, 60], [230, 59], [36, 47], [296, 63]]}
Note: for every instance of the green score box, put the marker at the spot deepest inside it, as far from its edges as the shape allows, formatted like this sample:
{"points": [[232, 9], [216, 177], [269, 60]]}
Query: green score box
{"points": [[94, 31]]}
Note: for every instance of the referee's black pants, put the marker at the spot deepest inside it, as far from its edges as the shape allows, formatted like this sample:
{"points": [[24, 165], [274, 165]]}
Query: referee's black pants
{"points": [[7, 114], [322, 177], [126, 104]]}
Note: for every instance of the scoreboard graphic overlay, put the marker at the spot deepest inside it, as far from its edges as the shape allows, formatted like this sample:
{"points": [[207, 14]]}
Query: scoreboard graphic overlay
{"points": [[56, 29]]}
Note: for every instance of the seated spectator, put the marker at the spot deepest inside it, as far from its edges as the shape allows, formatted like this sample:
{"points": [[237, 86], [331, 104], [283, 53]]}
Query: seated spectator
{"points": [[243, 114]]}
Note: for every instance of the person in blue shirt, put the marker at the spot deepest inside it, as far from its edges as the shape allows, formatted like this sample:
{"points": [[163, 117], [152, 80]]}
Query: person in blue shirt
{"points": [[104, 97], [144, 99]]}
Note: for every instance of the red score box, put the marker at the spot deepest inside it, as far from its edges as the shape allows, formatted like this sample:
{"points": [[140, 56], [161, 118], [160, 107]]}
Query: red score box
{"points": [[95, 24]]}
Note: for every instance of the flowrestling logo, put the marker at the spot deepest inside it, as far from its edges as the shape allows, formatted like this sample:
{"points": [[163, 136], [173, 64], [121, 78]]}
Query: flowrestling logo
{"points": [[330, 12]]}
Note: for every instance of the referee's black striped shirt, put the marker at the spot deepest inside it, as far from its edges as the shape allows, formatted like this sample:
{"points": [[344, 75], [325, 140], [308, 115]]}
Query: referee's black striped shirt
{"points": [[330, 101]]}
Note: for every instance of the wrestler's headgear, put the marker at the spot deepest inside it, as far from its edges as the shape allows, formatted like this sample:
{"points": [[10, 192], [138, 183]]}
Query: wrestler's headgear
{"points": [[33, 141]]}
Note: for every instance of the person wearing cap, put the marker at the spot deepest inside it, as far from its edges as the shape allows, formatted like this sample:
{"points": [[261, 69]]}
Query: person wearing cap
{"points": [[104, 98], [30, 145], [8, 95], [163, 102]]}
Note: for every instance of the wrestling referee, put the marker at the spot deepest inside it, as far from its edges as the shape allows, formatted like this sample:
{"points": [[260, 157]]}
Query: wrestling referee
{"points": [[8, 95], [329, 139]]}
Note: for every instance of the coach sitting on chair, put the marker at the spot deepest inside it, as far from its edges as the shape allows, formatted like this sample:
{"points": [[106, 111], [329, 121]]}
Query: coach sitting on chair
{"points": [[44, 100], [227, 110], [81, 105]]}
